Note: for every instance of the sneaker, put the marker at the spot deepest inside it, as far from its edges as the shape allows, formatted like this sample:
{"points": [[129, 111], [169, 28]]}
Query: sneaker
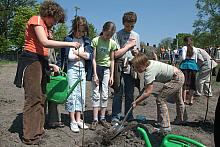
{"points": [[93, 125], [114, 121], [104, 123], [197, 95], [74, 127], [80, 124], [210, 95]]}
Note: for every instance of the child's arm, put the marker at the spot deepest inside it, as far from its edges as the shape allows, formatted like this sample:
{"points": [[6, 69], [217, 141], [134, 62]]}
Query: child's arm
{"points": [[111, 80], [120, 52], [83, 55], [95, 77], [147, 92]]}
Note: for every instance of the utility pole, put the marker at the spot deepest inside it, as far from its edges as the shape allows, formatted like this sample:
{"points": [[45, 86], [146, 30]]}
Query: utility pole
{"points": [[76, 10], [177, 43]]}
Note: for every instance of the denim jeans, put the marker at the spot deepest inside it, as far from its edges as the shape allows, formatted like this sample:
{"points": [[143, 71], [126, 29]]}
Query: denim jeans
{"points": [[76, 101], [125, 87], [100, 92]]}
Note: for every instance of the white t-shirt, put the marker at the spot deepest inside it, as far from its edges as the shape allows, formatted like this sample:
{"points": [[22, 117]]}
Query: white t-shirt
{"points": [[159, 72], [73, 58], [195, 52]]}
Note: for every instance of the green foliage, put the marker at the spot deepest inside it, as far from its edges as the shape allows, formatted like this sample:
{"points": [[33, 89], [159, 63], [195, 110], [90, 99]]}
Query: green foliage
{"points": [[4, 44], [180, 37], [166, 43], [92, 31], [17, 32], [203, 40], [7, 13], [60, 32], [208, 23], [13, 16]]}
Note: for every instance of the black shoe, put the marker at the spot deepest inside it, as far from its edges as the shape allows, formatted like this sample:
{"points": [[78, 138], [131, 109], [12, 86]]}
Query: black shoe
{"points": [[104, 123]]}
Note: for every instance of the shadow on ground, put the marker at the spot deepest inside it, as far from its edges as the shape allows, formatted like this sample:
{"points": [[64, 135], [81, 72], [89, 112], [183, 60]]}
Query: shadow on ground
{"points": [[17, 126]]}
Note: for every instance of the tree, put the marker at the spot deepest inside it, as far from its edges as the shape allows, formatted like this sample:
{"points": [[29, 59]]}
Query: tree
{"points": [[179, 38], [60, 32], [4, 44], [7, 12], [203, 40], [17, 31], [92, 31], [208, 20], [165, 43]]}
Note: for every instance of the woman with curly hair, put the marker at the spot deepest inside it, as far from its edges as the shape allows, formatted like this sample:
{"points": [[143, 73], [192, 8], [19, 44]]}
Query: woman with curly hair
{"points": [[32, 70]]}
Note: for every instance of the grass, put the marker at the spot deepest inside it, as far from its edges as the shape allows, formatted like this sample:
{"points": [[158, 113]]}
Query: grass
{"points": [[4, 62]]}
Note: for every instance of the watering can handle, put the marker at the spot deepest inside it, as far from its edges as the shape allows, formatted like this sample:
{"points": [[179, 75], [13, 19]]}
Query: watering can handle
{"points": [[62, 73], [74, 86], [178, 137], [145, 136]]}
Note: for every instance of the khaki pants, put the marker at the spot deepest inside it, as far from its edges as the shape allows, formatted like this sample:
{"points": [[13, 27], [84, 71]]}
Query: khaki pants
{"points": [[174, 88], [33, 112]]}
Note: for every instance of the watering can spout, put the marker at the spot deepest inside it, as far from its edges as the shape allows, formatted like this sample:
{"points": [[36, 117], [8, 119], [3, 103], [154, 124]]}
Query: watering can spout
{"points": [[73, 87]]}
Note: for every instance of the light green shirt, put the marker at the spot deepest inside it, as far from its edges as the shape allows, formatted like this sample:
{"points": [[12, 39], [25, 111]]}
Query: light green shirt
{"points": [[103, 50], [158, 72]]}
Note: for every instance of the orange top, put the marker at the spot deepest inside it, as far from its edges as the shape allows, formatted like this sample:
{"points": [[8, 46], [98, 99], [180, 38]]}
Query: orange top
{"points": [[32, 43]]}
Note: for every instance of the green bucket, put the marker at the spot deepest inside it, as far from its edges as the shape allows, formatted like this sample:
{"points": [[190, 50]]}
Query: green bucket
{"points": [[58, 90]]}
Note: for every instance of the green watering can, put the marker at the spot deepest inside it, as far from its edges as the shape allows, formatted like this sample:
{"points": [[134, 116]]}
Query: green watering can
{"points": [[58, 90], [171, 140]]}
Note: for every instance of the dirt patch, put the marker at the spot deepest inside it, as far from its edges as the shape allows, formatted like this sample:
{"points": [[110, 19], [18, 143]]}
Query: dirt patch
{"points": [[11, 105]]}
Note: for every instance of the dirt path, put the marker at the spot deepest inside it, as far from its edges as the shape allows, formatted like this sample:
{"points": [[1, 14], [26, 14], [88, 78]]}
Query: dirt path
{"points": [[11, 105]]}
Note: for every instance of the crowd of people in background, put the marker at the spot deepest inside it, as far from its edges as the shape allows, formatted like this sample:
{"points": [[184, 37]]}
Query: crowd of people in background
{"points": [[114, 58]]}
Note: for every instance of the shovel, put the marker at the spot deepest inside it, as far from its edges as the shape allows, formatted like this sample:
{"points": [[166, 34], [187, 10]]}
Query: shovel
{"points": [[117, 129]]}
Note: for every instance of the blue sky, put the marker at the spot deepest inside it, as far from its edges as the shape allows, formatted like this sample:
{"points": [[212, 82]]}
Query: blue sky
{"points": [[157, 19]]}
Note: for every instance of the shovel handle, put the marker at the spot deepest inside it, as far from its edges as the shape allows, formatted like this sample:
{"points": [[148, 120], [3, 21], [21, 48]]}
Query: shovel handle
{"points": [[126, 116]]}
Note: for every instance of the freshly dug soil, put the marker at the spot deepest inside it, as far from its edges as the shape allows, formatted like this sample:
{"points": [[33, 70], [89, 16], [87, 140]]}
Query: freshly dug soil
{"points": [[12, 101]]}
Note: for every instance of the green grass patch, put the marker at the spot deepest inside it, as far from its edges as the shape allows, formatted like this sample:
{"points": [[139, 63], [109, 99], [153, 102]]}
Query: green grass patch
{"points": [[5, 62]]}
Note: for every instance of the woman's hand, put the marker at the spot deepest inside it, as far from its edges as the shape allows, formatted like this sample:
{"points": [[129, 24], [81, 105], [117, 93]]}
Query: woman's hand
{"points": [[96, 80], [55, 67], [76, 44]]}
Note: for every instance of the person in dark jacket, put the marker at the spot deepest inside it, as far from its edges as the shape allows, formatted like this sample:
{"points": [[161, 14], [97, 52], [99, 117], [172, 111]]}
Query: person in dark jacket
{"points": [[217, 119], [76, 62]]}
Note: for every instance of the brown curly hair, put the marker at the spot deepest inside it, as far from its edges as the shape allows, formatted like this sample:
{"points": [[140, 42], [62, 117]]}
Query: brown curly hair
{"points": [[50, 8]]}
